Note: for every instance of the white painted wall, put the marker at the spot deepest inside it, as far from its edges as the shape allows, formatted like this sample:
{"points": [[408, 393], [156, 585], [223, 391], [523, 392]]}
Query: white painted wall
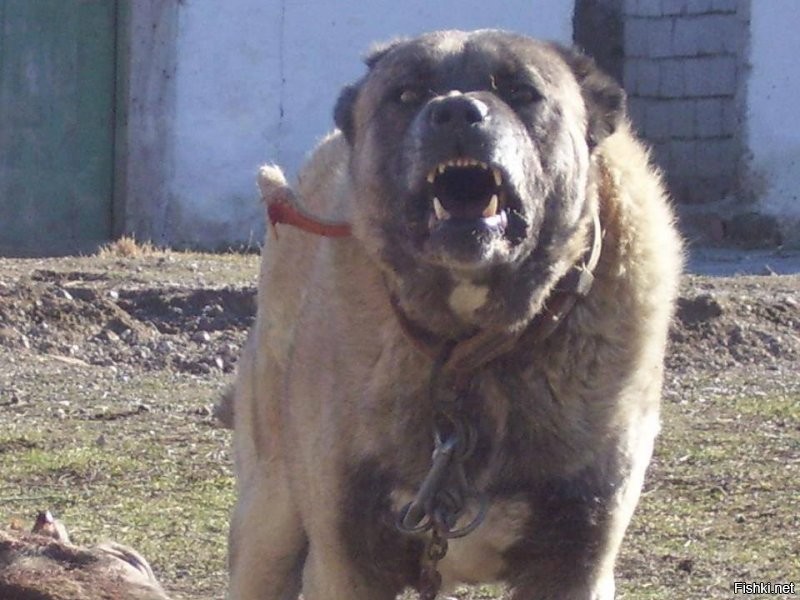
{"points": [[773, 117], [226, 118], [256, 81]]}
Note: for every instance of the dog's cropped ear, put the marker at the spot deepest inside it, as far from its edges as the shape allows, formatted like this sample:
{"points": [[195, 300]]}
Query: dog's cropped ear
{"points": [[343, 111], [604, 98]]}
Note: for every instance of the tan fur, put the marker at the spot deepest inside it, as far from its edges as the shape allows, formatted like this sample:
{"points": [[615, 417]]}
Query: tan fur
{"points": [[329, 378]]}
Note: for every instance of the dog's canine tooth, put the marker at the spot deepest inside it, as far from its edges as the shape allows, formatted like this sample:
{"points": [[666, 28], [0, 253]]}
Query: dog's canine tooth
{"points": [[491, 208], [431, 176], [439, 210], [498, 178]]}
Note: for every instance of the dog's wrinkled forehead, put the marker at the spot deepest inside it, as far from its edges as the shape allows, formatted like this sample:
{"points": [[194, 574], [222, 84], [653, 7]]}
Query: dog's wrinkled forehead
{"points": [[464, 61]]}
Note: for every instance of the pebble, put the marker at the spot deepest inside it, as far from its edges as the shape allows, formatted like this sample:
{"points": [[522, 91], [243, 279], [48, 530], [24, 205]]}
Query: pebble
{"points": [[202, 337]]}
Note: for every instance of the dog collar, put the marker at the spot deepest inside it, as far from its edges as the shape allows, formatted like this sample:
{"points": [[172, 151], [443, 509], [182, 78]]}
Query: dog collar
{"points": [[467, 355], [282, 207]]}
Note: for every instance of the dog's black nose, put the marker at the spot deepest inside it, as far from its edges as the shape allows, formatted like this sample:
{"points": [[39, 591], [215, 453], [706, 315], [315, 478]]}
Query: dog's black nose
{"points": [[456, 111]]}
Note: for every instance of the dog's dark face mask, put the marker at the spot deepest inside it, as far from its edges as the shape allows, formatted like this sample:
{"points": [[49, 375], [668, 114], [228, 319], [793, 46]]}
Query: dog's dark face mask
{"points": [[470, 157]]}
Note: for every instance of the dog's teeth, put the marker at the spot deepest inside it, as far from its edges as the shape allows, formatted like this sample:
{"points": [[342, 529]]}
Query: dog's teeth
{"points": [[440, 169], [431, 176], [440, 211], [498, 178], [491, 208]]}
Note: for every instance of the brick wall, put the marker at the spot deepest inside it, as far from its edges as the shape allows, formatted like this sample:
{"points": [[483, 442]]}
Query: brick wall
{"points": [[683, 71]]}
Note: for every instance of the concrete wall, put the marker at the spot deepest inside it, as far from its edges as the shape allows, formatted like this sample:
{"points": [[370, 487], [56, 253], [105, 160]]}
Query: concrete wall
{"points": [[218, 88], [684, 70], [773, 126]]}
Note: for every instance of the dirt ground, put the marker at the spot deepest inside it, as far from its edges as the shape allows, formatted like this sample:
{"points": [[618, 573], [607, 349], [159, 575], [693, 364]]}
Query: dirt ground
{"points": [[109, 367]]}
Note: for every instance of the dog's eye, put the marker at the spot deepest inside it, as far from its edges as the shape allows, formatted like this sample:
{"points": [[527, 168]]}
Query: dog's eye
{"points": [[409, 95], [519, 94]]}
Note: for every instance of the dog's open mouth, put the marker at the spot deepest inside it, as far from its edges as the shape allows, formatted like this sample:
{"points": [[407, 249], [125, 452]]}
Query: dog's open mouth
{"points": [[467, 191]]}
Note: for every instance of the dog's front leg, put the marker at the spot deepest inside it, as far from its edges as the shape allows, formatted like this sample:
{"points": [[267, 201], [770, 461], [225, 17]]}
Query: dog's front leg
{"points": [[330, 575], [267, 543]]}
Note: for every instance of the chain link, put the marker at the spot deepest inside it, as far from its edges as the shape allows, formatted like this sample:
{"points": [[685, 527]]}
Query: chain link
{"points": [[446, 492]]}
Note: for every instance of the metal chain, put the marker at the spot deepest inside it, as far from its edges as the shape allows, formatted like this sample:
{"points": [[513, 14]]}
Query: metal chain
{"points": [[446, 492], [430, 580]]}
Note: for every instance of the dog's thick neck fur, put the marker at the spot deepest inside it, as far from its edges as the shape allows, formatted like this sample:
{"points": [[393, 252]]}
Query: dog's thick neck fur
{"points": [[485, 345]]}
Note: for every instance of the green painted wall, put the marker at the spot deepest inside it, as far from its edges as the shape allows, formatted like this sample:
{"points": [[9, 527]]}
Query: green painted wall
{"points": [[57, 79]]}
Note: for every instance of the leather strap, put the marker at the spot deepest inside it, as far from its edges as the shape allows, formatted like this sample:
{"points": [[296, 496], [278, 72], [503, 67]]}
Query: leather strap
{"points": [[472, 353]]}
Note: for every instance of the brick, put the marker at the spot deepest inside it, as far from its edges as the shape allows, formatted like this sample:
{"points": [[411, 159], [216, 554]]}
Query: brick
{"points": [[643, 8], [672, 78], [636, 38], [682, 119], [707, 34], [674, 7], [699, 7], [718, 158], [710, 76], [651, 38], [649, 78], [658, 122], [630, 7], [659, 44], [630, 76], [699, 189], [637, 110], [735, 35], [683, 162], [709, 117], [641, 77], [725, 5], [731, 117]]}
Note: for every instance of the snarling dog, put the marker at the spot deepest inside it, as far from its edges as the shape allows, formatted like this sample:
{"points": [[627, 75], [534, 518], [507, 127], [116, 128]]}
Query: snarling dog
{"points": [[45, 565], [466, 387]]}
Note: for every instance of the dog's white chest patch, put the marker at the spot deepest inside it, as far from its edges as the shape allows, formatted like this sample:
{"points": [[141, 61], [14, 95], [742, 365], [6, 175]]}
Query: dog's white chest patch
{"points": [[467, 297]]}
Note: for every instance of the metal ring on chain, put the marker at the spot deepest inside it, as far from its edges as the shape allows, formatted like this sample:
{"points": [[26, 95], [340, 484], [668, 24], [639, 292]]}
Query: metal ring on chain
{"points": [[425, 525], [483, 508]]}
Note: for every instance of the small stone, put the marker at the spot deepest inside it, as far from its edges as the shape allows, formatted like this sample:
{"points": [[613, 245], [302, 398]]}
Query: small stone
{"points": [[686, 565], [703, 307], [201, 337], [165, 347], [108, 335]]}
